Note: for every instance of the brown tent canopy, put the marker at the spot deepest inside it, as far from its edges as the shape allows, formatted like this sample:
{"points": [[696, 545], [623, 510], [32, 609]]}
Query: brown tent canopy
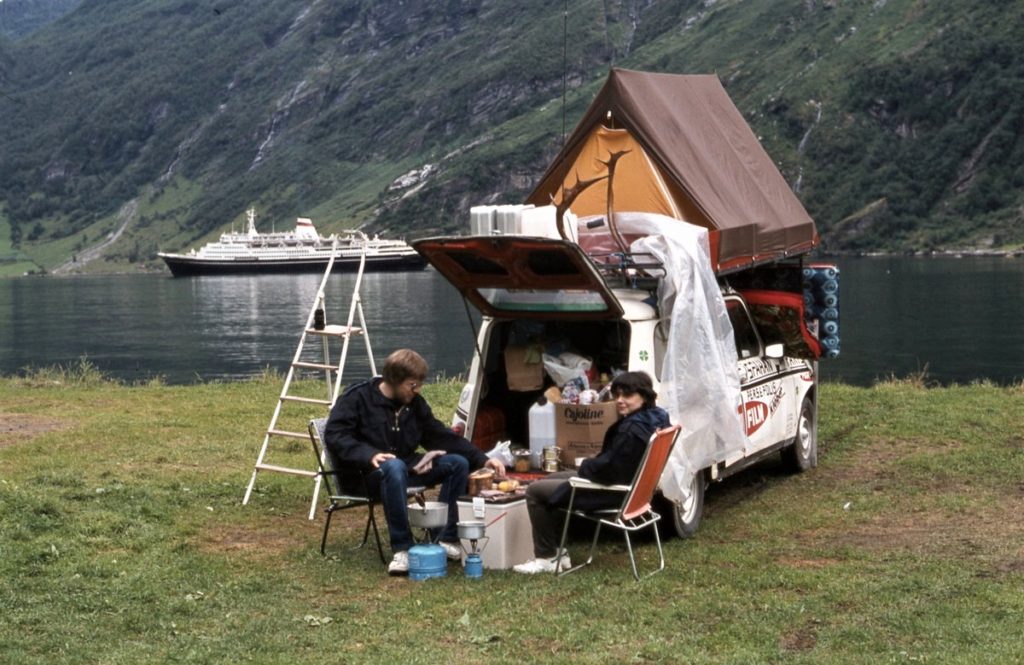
{"points": [[691, 156]]}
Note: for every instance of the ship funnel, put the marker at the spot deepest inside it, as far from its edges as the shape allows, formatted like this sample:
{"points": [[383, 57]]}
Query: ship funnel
{"points": [[304, 228]]}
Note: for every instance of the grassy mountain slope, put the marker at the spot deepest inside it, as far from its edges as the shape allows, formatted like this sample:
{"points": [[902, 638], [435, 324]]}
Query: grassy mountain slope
{"points": [[897, 122]]}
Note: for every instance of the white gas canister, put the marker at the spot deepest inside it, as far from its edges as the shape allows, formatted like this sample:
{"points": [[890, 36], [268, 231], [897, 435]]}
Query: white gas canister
{"points": [[542, 430]]}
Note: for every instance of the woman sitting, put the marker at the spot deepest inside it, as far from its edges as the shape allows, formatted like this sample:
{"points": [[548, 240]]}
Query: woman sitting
{"points": [[621, 453]]}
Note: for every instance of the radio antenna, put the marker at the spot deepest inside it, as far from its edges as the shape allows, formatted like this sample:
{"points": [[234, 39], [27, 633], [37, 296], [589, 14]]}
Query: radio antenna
{"points": [[565, 62]]}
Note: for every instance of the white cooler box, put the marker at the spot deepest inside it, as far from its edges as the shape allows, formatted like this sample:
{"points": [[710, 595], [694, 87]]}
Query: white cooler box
{"points": [[510, 540]]}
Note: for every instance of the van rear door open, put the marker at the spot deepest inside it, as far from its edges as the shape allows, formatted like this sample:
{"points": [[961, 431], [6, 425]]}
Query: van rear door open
{"points": [[513, 277]]}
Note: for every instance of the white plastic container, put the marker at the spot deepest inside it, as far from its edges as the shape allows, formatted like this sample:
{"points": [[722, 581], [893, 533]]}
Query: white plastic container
{"points": [[481, 220], [506, 220], [542, 223], [542, 430], [538, 222]]}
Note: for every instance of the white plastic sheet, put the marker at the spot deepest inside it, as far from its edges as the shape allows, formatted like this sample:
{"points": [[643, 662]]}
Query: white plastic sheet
{"points": [[700, 384]]}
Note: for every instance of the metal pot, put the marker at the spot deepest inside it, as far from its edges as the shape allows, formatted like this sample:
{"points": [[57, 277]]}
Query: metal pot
{"points": [[471, 530], [431, 515]]}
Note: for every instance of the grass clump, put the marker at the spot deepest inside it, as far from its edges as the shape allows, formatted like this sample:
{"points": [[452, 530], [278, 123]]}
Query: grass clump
{"points": [[124, 541], [81, 373]]}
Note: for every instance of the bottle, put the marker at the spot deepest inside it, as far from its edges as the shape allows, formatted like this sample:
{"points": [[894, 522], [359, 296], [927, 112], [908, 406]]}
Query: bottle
{"points": [[542, 430]]}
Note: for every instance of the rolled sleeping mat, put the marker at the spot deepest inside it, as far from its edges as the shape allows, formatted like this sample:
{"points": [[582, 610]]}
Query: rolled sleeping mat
{"points": [[829, 286]]}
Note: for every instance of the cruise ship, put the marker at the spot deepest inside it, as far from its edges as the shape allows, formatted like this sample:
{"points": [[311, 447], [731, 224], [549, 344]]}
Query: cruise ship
{"points": [[301, 250]]}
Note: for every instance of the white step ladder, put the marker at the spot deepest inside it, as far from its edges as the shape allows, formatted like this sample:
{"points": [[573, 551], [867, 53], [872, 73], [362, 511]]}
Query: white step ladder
{"points": [[316, 326]]}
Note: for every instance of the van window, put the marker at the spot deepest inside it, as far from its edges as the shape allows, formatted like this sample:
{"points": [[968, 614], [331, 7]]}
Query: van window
{"points": [[747, 344], [544, 300]]}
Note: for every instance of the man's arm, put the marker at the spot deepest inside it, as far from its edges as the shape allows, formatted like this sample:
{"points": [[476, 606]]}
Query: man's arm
{"points": [[342, 433], [438, 436]]}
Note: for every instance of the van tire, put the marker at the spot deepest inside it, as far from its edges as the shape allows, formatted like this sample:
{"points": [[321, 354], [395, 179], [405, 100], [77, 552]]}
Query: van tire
{"points": [[802, 454], [686, 518]]}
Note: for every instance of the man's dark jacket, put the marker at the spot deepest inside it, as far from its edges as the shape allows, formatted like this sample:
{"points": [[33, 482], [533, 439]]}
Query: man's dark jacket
{"points": [[364, 422]]}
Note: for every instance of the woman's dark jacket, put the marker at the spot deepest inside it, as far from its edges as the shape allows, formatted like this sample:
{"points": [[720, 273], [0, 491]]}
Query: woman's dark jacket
{"points": [[621, 453]]}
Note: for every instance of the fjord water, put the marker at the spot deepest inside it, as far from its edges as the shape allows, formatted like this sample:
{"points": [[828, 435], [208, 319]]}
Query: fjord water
{"points": [[961, 319]]}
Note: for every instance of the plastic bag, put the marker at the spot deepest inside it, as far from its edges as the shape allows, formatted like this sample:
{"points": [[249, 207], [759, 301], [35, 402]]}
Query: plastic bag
{"points": [[502, 451], [567, 366]]}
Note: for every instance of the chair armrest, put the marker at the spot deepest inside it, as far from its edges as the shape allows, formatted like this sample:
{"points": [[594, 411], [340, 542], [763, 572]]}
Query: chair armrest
{"points": [[583, 483]]}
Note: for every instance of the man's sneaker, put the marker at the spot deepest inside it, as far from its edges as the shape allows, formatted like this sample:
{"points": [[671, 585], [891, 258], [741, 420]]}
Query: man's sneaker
{"points": [[452, 551], [535, 566], [399, 564]]}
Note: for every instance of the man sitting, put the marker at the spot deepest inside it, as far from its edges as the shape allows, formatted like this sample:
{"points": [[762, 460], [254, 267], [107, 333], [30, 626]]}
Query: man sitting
{"points": [[375, 429]]}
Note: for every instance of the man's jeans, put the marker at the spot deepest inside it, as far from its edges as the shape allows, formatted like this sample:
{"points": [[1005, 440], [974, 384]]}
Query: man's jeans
{"points": [[452, 471]]}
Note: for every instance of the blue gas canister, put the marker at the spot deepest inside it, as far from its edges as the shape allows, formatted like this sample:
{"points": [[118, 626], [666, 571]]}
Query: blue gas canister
{"points": [[474, 565], [426, 561]]}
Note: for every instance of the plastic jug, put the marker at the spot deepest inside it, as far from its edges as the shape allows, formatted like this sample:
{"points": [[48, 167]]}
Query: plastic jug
{"points": [[542, 430]]}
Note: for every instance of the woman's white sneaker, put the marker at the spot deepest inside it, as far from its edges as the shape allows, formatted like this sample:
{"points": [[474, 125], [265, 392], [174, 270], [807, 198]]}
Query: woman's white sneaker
{"points": [[452, 551], [535, 566]]}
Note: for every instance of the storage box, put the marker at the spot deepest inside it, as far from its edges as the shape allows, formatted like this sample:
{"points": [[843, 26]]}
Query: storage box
{"points": [[510, 540], [524, 368], [580, 428], [489, 427]]}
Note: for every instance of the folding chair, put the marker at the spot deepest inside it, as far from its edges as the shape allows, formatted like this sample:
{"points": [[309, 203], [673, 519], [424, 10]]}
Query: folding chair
{"points": [[339, 498], [635, 513]]}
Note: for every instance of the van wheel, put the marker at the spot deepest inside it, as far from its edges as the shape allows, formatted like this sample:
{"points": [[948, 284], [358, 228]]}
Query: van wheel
{"points": [[686, 516], [802, 454]]}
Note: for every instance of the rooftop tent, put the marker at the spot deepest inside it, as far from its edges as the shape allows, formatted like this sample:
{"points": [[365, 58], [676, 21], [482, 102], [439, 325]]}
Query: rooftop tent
{"points": [[692, 157]]}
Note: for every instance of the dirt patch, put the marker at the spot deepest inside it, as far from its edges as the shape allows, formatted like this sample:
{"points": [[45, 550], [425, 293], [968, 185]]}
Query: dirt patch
{"points": [[803, 638], [808, 563], [987, 540], [266, 538], [21, 427], [942, 515], [878, 460]]}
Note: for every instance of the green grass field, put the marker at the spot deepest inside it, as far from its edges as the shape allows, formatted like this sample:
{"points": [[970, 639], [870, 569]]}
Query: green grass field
{"points": [[122, 540]]}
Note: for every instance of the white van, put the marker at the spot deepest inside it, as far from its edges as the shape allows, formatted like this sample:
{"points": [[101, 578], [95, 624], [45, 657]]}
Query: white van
{"points": [[551, 290]]}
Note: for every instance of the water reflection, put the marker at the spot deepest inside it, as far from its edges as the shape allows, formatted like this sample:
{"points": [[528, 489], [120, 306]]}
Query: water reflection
{"points": [[960, 318]]}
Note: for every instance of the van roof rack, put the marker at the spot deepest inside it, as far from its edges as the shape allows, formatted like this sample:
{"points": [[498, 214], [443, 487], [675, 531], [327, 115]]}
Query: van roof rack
{"points": [[631, 270]]}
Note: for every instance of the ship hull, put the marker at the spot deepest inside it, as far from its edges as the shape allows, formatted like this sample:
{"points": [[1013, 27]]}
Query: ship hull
{"points": [[188, 266]]}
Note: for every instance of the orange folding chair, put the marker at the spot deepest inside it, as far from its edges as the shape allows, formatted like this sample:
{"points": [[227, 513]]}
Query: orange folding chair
{"points": [[635, 513]]}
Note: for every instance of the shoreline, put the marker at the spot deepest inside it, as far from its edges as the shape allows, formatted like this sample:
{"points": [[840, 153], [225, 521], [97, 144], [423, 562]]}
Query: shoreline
{"points": [[813, 255], [926, 253]]}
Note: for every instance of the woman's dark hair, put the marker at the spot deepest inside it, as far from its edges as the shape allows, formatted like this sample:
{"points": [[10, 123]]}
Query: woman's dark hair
{"points": [[635, 383]]}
